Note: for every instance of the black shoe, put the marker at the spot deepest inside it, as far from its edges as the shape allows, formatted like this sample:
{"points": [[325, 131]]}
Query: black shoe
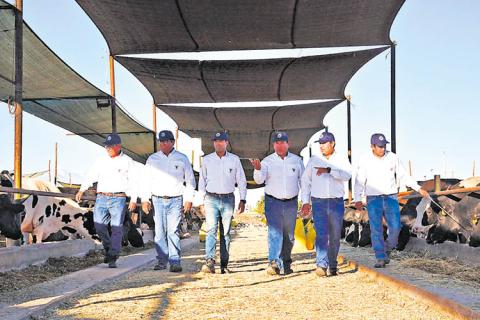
{"points": [[333, 272], [387, 259], [380, 263], [287, 270], [273, 269], [108, 258], [160, 266], [175, 268], [209, 266], [112, 264], [225, 270]]}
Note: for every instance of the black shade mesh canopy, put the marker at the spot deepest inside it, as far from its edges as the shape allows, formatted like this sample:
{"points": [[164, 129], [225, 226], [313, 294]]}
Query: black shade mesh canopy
{"points": [[153, 26], [55, 93], [251, 128], [285, 79]]}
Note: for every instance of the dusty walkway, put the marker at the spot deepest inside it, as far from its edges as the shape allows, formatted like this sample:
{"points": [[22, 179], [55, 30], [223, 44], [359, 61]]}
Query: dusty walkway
{"points": [[248, 293]]}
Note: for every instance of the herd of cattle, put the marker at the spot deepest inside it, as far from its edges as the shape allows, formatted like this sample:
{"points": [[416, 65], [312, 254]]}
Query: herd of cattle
{"points": [[53, 219]]}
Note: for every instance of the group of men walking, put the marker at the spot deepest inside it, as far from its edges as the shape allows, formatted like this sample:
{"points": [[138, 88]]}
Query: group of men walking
{"points": [[167, 182]]}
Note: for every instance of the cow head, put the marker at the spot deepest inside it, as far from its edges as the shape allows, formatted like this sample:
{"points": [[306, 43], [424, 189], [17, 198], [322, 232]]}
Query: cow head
{"points": [[9, 218]]}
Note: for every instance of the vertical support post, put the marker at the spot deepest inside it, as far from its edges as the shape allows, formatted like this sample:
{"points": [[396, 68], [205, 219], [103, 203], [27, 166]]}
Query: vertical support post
{"points": [[393, 93], [55, 165], [473, 172], [410, 167], [176, 139], [154, 114], [436, 181], [49, 171], [349, 143], [112, 93], [17, 152], [193, 157]]}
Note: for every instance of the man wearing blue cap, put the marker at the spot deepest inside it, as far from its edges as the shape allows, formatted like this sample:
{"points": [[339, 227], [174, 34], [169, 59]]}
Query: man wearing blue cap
{"points": [[117, 177], [165, 174], [323, 185], [281, 172], [220, 172], [379, 175]]}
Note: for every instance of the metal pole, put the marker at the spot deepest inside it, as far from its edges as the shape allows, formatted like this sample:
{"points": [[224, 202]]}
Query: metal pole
{"points": [[473, 173], [154, 109], [49, 171], [55, 164], [436, 181], [349, 143], [176, 139], [410, 167], [393, 127], [18, 95], [17, 153], [112, 93]]}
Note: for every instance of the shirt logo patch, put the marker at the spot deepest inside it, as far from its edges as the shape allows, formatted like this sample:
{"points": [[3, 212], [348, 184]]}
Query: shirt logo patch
{"points": [[231, 170], [218, 134], [162, 134], [293, 169], [279, 135], [109, 138], [380, 138], [176, 167]]}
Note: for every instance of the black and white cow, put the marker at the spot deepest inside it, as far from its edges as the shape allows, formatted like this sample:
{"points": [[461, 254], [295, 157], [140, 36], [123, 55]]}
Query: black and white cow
{"points": [[9, 218]]}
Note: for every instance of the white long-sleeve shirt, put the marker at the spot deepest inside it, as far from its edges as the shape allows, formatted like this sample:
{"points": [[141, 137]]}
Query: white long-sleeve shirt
{"points": [[165, 176], [376, 176], [219, 175], [118, 174], [326, 185], [281, 176]]}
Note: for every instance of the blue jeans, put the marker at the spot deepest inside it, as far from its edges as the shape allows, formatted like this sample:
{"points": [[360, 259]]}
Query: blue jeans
{"points": [[167, 217], [110, 210], [281, 217], [379, 206], [218, 210], [328, 222]]}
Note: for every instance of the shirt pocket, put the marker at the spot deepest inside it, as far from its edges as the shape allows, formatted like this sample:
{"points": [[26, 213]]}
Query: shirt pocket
{"points": [[177, 168]]}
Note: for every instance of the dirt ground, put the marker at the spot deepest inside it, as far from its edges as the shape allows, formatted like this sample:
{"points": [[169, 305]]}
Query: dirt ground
{"points": [[53, 268], [247, 293]]}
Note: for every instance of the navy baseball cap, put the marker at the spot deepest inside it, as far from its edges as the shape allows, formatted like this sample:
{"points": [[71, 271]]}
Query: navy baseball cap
{"points": [[112, 139], [220, 135], [326, 137], [379, 139], [165, 135], [280, 136]]}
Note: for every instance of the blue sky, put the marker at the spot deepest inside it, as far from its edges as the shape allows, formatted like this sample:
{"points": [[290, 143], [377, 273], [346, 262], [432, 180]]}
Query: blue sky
{"points": [[437, 110]]}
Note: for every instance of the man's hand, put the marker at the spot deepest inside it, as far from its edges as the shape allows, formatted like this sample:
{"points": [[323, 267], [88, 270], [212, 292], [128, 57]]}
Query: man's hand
{"points": [[256, 164], [306, 208], [424, 193], [146, 206], [78, 196], [241, 207], [187, 207], [132, 205], [359, 205], [321, 170]]}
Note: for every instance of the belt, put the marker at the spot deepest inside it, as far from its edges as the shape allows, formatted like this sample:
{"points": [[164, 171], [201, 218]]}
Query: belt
{"points": [[113, 194], [282, 200], [220, 195], [337, 198], [165, 197]]}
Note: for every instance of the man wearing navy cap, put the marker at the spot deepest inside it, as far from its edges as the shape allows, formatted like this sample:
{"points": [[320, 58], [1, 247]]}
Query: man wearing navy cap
{"points": [[281, 172], [165, 174], [117, 177], [379, 175], [219, 173], [323, 185]]}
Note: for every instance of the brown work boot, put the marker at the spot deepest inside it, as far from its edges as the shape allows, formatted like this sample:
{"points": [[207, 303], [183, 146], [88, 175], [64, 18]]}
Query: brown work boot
{"points": [[273, 268], [209, 266], [321, 272]]}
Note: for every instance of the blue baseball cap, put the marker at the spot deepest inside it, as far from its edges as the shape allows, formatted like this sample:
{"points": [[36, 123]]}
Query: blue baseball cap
{"points": [[280, 136], [326, 137], [379, 139], [220, 135], [112, 139], [165, 135]]}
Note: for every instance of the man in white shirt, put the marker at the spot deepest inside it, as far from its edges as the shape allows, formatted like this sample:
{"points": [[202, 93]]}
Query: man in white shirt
{"points": [[117, 177], [323, 184], [379, 174], [165, 173], [219, 173], [281, 172]]}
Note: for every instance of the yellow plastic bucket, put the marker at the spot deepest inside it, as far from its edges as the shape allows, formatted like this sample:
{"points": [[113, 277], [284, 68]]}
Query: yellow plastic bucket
{"points": [[304, 235]]}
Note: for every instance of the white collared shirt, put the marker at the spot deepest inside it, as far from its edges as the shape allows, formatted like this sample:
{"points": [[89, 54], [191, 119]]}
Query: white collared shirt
{"points": [[281, 176], [219, 175], [118, 174], [165, 176], [326, 185], [376, 176]]}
